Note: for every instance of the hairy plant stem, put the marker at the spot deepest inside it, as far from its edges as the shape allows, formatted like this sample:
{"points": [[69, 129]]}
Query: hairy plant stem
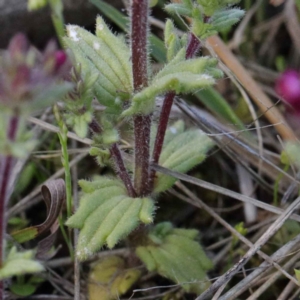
{"points": [[121, 170], [118, 160], [142, 123], [192, 49], [6, 166]]}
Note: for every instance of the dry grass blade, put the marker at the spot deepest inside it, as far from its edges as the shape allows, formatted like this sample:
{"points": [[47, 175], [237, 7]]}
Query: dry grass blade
{"points": [[244, 284], [55, 129], [274, 278], [292, 23], [239, 151], [258, 244], [261, 99], [287, 290], [196, 201], [223, 191]]}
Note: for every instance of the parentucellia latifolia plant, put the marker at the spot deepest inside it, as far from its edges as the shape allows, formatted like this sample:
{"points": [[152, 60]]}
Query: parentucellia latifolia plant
{"points": [[116, 72]]}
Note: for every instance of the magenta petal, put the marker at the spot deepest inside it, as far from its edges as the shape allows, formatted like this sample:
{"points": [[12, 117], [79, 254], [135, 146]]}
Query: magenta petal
{"points": [[60, 58], [288, 87]]}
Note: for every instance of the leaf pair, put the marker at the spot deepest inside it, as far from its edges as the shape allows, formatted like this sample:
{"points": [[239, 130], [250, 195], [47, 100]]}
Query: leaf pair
{"points": [[106, 215], [208, 16], [179, 75]]}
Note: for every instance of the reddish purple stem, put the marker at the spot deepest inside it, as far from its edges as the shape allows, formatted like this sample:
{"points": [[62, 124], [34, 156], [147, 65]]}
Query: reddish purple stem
{"points": [[118, 160], [192, 49], [142, 123], [121, 169], [6, 166]]}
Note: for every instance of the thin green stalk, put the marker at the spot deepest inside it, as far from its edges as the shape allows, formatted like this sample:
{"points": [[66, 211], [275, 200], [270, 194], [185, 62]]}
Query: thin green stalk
{"points": [[58, 18], [62, 135], [66, 238]]}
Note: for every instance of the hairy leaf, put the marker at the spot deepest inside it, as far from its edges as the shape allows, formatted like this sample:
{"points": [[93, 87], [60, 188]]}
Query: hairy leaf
{"points": [[19, 263], [180, 82], [224, 19], [179, 9], [106, 55], [106, 215], [180, 76], [183, 152], [169, 250]]}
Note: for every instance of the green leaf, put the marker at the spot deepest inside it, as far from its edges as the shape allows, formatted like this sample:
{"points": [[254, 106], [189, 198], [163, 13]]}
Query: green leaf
{"points": [[292, 152], [23, 290], [158, 50], [195, 66], [24, 235], [179, 9], [297, 273], [181, 82], [218, 105], [182, 153], [33, 5], [169, 250], [106, 215], [106, 55], [224, 19], [18, 263], [112, 13], [171, 39]]}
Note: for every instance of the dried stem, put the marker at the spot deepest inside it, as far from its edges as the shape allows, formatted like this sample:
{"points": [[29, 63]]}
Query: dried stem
{"points": [[142, 123], [192, 49], [6, 166]]}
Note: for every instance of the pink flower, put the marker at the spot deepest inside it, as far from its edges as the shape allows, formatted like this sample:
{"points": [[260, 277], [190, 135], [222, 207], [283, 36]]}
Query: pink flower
{"points": [[29, 77], [288, 87]]}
